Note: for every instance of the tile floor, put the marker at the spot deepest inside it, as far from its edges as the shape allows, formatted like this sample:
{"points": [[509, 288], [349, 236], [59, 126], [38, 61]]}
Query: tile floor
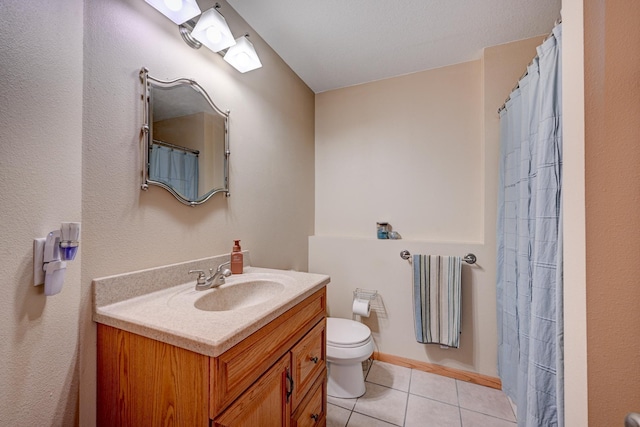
{"points": [[398, 396]]}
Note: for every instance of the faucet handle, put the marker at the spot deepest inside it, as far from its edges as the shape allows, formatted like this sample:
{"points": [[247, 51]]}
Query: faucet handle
{"points": [[202, 276], [219, 269]]}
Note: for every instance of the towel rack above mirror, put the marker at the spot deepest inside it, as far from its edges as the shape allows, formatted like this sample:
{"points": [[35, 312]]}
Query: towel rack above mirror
{"points": [[468, 258]]}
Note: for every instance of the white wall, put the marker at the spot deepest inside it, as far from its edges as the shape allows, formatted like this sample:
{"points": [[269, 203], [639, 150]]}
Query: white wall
{"points": [[376, 265], [420, 151], [40, 186]]}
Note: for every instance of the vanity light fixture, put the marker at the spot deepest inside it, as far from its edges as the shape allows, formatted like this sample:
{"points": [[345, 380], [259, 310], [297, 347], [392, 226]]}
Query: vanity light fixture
{"points": [[178, 11], [212, 31], [242, 56]]}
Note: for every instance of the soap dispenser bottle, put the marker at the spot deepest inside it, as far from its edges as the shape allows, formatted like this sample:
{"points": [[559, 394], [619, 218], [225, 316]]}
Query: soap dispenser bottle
{"points": [[237, 261]]}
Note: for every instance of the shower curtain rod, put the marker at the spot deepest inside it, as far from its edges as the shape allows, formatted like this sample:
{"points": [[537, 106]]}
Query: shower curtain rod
{"points": [[176, 147], [526, 71]]}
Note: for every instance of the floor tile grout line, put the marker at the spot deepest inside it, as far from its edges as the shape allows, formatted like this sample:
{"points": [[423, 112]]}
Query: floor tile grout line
{"points": [[349, 417], [375, 418], [439, 401], [458, 400], [406, 407], [511, 404], [489, 415]]}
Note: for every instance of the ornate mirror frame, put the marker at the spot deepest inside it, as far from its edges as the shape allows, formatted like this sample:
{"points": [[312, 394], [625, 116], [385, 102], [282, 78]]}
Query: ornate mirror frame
{"points": [[148, 83]]}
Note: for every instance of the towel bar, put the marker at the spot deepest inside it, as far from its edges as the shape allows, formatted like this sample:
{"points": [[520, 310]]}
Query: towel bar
{"points": [[468, 258]]}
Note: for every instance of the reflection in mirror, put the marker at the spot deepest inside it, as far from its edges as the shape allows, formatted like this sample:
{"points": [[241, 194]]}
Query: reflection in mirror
{"points": [[186, 149]]}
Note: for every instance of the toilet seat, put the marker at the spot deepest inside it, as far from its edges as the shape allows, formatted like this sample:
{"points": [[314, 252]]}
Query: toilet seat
{"points": [[345, 333]]}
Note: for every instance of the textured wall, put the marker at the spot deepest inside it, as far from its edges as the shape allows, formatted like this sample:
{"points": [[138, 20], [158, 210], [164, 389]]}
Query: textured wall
{"points": [[420, 151], [40, 186], [70, 126], [612, 196], [272, 158]]}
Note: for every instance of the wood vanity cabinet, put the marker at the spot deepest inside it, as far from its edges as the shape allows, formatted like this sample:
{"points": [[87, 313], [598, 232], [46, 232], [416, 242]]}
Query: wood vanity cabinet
{"points": [[274, 377]]}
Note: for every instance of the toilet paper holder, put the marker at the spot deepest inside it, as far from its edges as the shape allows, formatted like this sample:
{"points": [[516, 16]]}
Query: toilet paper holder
{"points": [[365, 294]]}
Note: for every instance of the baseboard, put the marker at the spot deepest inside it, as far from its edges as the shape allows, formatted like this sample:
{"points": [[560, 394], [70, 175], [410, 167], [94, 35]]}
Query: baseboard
{"points": [[458, 374]]}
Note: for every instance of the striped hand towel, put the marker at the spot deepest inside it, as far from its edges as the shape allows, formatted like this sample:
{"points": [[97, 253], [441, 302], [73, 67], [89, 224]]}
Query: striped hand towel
{"points": [[436, 295]]}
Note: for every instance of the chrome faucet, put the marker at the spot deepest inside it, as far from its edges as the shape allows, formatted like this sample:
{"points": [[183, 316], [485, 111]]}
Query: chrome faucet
{"points": [[214, 280]]}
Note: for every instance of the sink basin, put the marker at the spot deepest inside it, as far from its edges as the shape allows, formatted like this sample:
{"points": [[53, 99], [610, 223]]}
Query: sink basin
{"points": [[234, 296], [262, 290]]}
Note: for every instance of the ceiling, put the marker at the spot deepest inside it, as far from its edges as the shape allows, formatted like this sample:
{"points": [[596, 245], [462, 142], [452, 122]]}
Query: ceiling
{"points": [[337, 43]]}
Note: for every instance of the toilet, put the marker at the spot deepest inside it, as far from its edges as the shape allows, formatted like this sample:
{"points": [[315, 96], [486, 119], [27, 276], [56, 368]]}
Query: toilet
{"points": [[349, 343]]}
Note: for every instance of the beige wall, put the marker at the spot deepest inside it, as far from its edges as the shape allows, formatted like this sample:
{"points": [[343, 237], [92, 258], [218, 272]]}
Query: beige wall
{"points": [[40, 186], [70, 130], [612, 195], [366, 136], [420, 151], [272, 158]]}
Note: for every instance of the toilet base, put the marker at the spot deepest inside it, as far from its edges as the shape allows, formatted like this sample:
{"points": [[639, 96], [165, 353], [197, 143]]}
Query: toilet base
{"points": [[345, 381]]}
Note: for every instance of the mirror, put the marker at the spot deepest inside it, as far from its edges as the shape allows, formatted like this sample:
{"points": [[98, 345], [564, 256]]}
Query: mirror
{"points": [[186, 140]]}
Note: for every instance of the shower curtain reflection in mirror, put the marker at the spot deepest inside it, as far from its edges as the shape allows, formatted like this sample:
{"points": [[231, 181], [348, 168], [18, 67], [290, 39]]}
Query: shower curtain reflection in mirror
{"points": [[176, 168]]}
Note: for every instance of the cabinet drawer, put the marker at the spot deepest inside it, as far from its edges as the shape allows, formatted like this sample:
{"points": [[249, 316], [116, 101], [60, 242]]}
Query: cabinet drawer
{"points": [[263, 404], [236, 369], [308, 361], [313, 410]]}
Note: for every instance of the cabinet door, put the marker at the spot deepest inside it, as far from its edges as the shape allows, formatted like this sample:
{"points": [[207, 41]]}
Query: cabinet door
{"points": [[143, 382], [264, 404], [312, 411]]}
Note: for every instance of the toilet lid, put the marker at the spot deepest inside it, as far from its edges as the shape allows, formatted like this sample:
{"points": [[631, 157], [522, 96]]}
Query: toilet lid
{"points": [[345, 332]]}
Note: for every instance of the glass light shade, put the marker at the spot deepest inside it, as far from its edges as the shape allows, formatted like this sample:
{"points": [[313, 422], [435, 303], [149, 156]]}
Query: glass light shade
{"points": [[212, 31], [179, 11], [242, 56]]}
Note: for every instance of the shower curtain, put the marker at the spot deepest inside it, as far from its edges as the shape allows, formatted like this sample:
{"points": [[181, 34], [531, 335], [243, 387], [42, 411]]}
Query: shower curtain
{"points": [[529, 240], [176, 168]]}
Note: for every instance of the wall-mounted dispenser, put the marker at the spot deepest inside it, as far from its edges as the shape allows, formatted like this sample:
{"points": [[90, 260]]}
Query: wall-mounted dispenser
{"points": [[50, 255]]}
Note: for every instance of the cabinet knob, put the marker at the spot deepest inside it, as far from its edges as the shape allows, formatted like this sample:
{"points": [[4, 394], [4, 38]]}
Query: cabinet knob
{"points": [[315, 417], [314, 359]]}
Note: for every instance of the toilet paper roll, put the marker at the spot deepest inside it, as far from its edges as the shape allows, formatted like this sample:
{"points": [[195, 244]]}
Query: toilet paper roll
{"points": [[361, 307]]}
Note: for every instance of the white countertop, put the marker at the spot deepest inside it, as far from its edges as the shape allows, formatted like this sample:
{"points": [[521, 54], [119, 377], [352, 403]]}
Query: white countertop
{"points": [[168, 314]]}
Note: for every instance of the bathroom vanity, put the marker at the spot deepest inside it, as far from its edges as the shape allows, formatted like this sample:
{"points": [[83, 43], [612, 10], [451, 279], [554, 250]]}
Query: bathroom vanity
{"points": [[247, 359]]}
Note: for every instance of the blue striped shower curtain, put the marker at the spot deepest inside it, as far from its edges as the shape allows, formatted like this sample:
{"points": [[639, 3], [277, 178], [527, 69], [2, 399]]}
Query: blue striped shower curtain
{"points": [[176, 168], [529, 267]]}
